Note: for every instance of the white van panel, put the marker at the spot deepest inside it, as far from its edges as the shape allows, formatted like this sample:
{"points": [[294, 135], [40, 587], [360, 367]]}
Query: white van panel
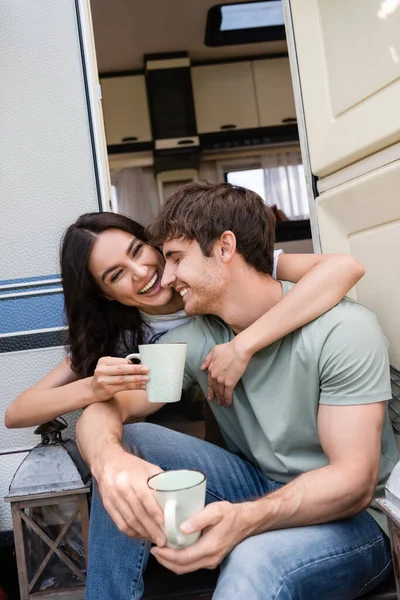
{"points": [[47, 175], [8, 465], [349, 63], [362, 218]]}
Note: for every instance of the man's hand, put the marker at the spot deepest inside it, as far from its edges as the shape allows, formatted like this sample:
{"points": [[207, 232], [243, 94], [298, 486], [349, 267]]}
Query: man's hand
{"points": [[113, 375], [223, 528], [226, 363], [122, 480]]}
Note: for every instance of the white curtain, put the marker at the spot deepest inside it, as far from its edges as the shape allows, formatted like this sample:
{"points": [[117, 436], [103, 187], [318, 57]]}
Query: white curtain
{"points": [[136, 192], [285, 184]]}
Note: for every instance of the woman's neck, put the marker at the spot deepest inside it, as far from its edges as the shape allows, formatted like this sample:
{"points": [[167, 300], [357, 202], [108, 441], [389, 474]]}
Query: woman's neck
{"points": [[175, 304]]}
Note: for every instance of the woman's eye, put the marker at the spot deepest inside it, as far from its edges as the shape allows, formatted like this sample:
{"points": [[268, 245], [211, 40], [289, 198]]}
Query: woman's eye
{"points": [[137, 249], [115, 276]]}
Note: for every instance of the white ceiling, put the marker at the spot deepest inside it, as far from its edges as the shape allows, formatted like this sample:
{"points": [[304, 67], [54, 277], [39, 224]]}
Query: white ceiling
{"points": [[125, 30]]}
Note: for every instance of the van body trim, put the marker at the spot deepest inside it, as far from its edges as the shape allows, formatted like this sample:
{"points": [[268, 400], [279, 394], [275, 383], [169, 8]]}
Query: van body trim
{"points": [[362, 167], [301, 124], [33, 341]]}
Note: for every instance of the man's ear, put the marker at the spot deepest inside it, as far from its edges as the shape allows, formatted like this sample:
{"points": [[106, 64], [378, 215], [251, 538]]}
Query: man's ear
{"points": [[227, 246]]}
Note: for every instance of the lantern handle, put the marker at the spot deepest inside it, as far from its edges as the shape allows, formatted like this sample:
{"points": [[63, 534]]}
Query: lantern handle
{"points": [[51, 431]]}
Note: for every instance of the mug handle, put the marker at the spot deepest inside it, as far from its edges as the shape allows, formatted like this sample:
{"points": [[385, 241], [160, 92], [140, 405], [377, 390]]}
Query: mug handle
{"points": [[132, 356], [172, 532]]}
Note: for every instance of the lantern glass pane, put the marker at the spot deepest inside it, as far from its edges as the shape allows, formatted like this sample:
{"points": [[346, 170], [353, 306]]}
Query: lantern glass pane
{"points": [[52, 520]]}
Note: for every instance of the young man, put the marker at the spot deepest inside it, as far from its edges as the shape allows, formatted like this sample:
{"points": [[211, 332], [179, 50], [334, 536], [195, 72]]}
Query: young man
{"points": [[290, 511]]}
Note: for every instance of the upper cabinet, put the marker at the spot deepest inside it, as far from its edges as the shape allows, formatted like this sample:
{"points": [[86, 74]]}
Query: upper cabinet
{"points": [[274, 92], [224, 97], [125, 109], [228, 97], [349, 63]]}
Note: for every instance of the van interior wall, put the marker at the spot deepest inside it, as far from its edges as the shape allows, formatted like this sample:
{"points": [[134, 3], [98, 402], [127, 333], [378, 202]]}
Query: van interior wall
{"points": [[137, 195]]}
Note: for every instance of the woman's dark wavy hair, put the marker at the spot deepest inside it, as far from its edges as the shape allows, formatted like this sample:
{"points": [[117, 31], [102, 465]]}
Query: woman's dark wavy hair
{"points": [[97, 326]]}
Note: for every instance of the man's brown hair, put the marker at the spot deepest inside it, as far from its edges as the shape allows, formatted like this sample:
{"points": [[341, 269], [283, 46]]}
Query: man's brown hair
{"points": [[202, 211]]}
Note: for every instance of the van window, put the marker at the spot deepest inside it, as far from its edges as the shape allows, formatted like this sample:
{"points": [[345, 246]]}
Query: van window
{"points": [[282, 186]]}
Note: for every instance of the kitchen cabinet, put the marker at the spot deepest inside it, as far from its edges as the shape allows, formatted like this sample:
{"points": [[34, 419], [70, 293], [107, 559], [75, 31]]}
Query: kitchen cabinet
{"points": [[224, 97], [125, 110], [274, 92]]}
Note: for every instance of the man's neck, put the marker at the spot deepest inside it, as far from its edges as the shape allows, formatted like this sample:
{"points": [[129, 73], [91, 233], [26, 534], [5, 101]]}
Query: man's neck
{"points": [[249, 296]]}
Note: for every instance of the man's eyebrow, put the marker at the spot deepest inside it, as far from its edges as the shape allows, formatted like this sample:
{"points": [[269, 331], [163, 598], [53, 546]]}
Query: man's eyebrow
{"points": [[170, 253], [128, 251]]}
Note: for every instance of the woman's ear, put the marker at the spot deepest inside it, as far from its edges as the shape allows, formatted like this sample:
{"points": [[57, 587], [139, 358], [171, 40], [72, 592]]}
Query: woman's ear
{"points": [[227, 243]]}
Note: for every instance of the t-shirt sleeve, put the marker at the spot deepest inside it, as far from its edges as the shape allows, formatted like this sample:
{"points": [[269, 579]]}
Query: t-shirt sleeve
{"points": [[277, 253], [173, 336], [354, 361]]}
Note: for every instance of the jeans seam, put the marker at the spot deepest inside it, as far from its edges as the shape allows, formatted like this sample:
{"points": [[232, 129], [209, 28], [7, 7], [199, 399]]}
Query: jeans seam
{"points": [[316, 562], [215, 495], [139, 571], [388, 564]]}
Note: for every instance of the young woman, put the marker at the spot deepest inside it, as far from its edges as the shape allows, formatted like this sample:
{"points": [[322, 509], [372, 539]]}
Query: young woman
{"points": [[114, 301]]}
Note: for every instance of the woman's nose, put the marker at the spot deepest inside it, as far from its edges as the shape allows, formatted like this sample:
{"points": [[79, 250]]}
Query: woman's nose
{"points": [[138, 271]]}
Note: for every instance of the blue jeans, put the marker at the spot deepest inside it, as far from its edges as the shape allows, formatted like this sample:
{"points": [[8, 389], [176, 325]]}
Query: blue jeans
{"points": [[335, 561]]}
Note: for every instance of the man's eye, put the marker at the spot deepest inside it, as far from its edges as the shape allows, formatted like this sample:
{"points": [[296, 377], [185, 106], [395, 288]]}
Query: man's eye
{"points": [[137, 249], [176, 260], [115, 276]]}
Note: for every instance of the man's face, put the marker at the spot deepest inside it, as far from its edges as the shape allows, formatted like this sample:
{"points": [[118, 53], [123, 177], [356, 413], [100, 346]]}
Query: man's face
{"points": [[199, 279]]}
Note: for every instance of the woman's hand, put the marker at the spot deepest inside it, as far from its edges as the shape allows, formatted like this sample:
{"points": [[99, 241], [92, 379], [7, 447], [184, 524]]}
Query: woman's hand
{"points": [[114, 375], [226, 363]]}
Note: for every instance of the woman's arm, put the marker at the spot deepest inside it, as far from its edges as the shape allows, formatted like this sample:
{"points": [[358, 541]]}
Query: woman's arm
{"points": [[322, 281], [61, 392]]}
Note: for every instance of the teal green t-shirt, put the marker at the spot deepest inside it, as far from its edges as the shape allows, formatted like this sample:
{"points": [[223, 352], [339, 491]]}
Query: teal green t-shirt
{"points": [[340, 358]]}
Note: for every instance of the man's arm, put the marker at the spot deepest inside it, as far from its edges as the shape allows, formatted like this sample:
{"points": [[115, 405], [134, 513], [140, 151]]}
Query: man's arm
{"points": [[121, 477], [350, 437]]}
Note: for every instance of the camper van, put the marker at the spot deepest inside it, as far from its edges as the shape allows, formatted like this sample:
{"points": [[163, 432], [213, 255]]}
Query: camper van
{"points": [[110, 106]]}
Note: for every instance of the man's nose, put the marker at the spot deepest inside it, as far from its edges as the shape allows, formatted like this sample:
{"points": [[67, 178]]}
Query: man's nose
{"points": [[168, 278]]}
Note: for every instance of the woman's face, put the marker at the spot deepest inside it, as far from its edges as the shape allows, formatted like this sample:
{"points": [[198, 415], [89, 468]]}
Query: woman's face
{"points": [[130, 271]]}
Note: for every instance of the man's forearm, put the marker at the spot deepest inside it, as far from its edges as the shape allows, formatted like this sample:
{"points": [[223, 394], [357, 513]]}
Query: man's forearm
{"points": [[319, 496], [99, 429]]}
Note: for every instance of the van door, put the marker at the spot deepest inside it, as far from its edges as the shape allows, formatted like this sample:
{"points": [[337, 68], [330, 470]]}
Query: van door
{"points": [[345, 62]]}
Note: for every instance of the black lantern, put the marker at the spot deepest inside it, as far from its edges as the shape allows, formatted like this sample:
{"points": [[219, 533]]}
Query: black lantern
{"points": [[49, 506]]}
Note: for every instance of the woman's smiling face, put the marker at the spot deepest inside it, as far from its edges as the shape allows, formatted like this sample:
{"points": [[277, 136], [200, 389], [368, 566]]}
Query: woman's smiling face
{"points": [[130, 271]]}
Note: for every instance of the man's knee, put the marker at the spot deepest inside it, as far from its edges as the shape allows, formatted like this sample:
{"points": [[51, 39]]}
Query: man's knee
{"points": [[154, 443], [137, 437]]}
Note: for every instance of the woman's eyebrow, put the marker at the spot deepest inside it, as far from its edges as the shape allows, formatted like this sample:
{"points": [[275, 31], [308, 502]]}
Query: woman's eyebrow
{"points": [[133, 242], [128, 251], [107, 271]]}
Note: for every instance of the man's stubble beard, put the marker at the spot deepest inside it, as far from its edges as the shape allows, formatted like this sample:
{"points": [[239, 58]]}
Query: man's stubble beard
{"points": [[207, 301]]}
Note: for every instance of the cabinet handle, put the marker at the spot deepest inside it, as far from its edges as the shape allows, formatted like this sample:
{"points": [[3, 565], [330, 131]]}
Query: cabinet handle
{"points": [[228, 127], [130, 139], [185, 142], [289, 120]]}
